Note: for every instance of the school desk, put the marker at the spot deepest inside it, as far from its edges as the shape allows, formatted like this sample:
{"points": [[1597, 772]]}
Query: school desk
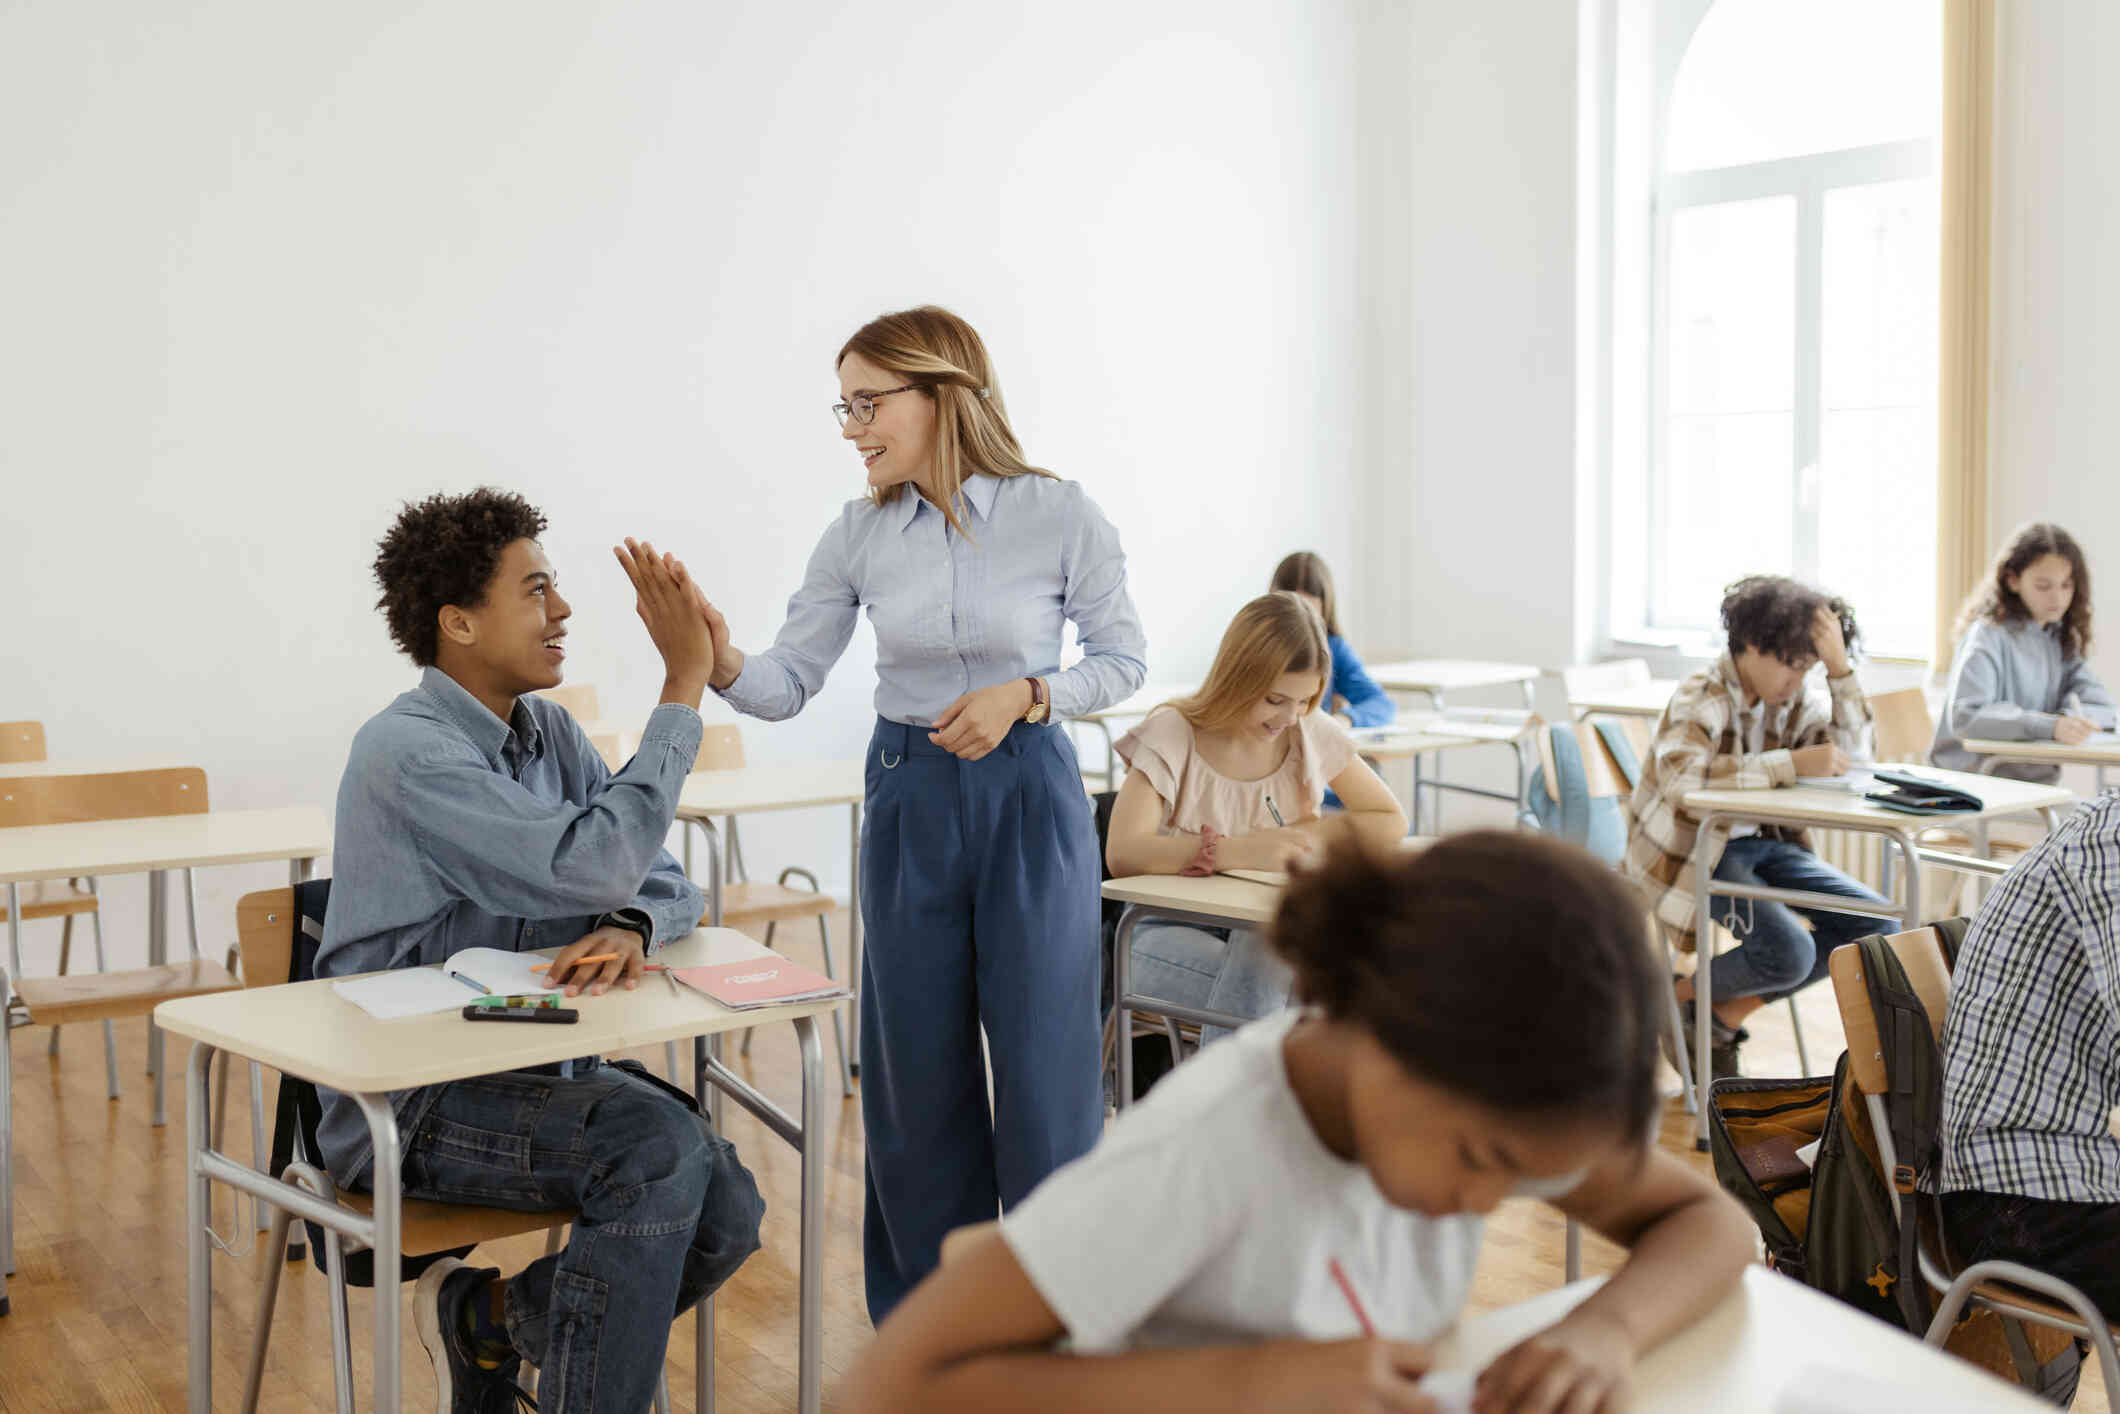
{"points": [[307, 1029]]}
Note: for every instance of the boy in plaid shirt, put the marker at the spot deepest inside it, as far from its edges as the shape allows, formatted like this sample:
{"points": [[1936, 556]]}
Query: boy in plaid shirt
{"points": [[1754, 720]]}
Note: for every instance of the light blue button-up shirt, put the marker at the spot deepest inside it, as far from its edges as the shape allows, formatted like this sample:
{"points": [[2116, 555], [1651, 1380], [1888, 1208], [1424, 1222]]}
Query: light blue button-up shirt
{"points": [[457, 830], [951, 614]]}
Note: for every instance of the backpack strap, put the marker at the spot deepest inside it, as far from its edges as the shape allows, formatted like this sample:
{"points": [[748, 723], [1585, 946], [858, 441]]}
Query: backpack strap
{"points": [[1913, 1104]]}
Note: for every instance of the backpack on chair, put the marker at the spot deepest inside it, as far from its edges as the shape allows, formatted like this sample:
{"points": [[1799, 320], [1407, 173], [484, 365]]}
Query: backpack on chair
{"points": [[1584, 800], [1830, 1224]]}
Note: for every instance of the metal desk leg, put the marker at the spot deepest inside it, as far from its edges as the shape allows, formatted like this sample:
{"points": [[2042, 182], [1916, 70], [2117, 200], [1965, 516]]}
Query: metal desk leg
{"points": [[198, 1255], [157, 954], [389, 1248], [853, 1023], [1122, 1018], [1706, 853], [810, 1351], [1530, 693], [7, 1147], [703, 1313]]}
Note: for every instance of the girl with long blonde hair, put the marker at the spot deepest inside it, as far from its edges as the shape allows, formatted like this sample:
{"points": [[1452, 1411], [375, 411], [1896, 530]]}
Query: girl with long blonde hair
{"points": [[1234, 777], [979, 878]]}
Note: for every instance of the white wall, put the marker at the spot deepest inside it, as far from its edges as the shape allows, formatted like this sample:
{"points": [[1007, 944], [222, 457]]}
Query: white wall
{"points": [[1492, 556], [2053, 424], [270, 270]]}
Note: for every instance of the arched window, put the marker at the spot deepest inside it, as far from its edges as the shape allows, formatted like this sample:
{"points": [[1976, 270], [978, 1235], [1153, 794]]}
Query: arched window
{"points": [[1795, 329]]}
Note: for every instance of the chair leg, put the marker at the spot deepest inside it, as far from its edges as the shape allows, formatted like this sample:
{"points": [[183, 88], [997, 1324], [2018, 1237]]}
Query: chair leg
{"points": [[1679, 1047], [1575, 1251], [66, 956], [341, 1336], [1803, 1054], [110, 1033], [839, 1025], [662, 1393], [282, 1219]]}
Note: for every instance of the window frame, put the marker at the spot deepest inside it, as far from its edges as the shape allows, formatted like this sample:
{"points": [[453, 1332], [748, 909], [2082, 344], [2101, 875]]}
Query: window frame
{"points": [[1807, 178]]}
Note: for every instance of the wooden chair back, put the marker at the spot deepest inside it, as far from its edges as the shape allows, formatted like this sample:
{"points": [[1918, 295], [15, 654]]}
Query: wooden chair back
{"points": [[1921, 954], [1601, 774], [21, 741], [265, 927], [113, 795], [1904, 728], [579, 698], [1590, 679], [720, 749]]}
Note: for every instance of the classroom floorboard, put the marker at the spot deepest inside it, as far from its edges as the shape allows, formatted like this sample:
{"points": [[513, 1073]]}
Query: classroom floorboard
{"points": [[99, 1320]]}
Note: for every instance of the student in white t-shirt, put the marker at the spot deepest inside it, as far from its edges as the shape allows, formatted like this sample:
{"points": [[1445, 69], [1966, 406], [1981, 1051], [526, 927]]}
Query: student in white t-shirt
{"points": [[1482, 1023]]}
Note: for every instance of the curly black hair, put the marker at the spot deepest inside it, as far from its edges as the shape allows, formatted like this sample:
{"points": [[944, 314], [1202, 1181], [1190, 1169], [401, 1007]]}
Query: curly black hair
{"points": [[1773, 614], [1428, 952], [445, 550]]}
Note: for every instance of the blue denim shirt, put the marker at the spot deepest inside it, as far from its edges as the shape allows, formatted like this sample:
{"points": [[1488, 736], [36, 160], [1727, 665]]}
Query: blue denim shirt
{"points": [[457, 830], [951, 614]]}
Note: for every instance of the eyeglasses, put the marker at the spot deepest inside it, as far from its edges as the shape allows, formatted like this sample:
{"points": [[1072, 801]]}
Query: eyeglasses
{"points": [[863, 405]]}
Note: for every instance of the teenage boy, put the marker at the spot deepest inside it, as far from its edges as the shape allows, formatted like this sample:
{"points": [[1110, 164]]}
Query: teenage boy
{"points": [[2031, 1064], [1754, 720], [474, 814]]}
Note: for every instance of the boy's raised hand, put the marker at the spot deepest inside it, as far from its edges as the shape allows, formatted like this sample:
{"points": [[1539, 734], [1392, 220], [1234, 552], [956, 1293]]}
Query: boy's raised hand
{"points": [[669, 605], [1828, 642]]}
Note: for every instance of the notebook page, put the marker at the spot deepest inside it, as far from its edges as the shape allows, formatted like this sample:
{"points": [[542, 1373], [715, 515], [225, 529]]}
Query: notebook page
{"points": [[409, 991]]}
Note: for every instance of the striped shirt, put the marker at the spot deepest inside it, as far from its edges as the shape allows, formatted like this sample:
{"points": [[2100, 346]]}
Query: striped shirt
{"points": [[2031, 1045], [1701, 744]]}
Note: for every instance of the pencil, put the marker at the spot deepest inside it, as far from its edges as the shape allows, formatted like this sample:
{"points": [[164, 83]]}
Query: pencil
{"points": [[1354, 1302]]}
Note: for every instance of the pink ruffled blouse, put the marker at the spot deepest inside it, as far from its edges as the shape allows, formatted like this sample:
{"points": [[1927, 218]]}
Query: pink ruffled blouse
{"points": [[1195, 794]]}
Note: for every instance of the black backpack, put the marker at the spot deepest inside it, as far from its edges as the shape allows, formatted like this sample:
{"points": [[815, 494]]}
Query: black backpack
{"points": [[1830, 1224]]}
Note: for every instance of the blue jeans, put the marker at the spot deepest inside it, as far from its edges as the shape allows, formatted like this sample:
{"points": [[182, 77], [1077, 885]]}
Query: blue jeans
{"points": [[668, 1214], [1775, 956], [1216, 969], [979, 893]]}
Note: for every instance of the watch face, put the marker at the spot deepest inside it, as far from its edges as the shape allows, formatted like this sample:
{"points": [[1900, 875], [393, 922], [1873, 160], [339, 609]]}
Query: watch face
{"points": [[1036, 714]]}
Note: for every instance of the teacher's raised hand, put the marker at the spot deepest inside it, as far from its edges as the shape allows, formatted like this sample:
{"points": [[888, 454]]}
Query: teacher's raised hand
{"points": [[974, 724], [668, 603]]}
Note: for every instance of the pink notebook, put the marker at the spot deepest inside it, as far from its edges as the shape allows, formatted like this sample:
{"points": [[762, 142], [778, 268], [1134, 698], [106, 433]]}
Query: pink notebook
{"points": [[757, 982]]}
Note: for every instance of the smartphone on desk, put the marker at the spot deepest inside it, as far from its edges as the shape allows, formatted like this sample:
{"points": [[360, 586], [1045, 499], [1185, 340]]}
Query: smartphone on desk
{"points": [[554, 1015]]}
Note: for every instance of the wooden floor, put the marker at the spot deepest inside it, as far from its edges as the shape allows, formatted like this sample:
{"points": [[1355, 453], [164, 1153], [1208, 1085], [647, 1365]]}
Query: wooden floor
{"points": [[98, 1298]]}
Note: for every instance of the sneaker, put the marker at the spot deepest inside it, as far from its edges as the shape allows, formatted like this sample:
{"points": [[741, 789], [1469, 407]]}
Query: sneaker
{"points": [[1723, 1042], [440, 1312]]}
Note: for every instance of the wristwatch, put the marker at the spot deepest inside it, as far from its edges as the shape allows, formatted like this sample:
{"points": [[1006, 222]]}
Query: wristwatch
{"points": [[632, 919], [1039, 707]]}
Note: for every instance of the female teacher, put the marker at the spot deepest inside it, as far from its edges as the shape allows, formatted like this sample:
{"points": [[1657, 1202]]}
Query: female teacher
{"points": [[979, 868]]}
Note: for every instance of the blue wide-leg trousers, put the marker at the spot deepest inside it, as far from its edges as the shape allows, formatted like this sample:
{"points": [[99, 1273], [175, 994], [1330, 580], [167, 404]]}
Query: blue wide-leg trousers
{"points": [[980, 899]]}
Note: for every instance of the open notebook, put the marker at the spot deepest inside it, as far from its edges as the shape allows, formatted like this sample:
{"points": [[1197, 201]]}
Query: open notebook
{"points": [[421, 991]]}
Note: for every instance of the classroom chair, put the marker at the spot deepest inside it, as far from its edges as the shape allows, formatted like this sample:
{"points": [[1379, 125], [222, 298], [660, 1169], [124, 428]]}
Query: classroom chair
{"points": [[51, 898], [612, 742], [745, 904], [20, 742], [104, 995], [278, 931], [2013, 1291], [1904, 730]]}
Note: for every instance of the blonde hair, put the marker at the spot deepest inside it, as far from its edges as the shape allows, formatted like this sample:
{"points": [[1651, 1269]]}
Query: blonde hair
{"points": [[946, 359], [1274, 634]]}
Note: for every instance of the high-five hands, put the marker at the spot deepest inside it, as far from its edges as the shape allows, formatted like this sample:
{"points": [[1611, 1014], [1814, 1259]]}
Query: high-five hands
{"points": [[668, 603]]}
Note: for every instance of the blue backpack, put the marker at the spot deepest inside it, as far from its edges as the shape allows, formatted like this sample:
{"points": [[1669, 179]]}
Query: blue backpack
{"points": [[1597, 823]]}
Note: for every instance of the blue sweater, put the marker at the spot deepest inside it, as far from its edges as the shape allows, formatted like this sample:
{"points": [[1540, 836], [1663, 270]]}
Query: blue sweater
{"points": [[1367, 703]]}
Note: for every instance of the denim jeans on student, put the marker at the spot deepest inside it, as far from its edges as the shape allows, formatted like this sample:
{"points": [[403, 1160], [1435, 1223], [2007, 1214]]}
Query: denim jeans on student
{"points": [[1775, 954], [668, 1214], [1217, 969]]}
